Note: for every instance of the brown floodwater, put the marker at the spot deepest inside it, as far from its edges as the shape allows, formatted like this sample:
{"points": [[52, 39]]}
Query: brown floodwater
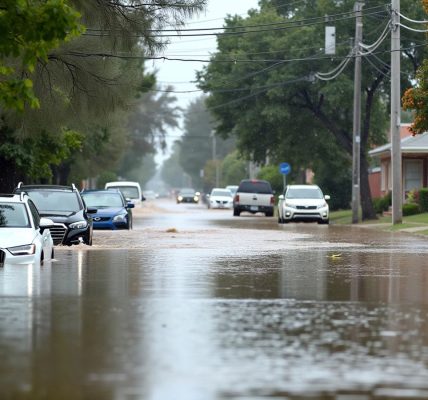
{"points": [[197, 304]]}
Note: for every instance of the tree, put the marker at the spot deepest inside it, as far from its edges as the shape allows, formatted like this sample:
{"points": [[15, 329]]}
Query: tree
{"points": [[268, 95], [197, 144], [89, 84], [172, 173], [28, 31]]}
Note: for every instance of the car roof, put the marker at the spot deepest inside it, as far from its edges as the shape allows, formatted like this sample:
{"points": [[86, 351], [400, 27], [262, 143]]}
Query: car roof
{"points": [[46, 187], [12, 198], [304, 186], [123, 183], [108, 191]]}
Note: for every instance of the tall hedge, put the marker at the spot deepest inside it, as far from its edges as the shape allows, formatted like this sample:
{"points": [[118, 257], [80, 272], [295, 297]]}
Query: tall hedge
{"points": [[423, 199]]}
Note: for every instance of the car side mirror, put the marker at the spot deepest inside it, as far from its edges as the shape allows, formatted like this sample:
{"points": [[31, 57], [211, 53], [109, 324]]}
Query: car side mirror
{"points": [[327, 197], [91, 210], [130, 205], [281, 197], [45, 223]]}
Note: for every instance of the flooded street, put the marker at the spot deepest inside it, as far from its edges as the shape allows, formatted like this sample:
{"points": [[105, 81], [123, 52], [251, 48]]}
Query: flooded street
{"points": [[197, 304]]}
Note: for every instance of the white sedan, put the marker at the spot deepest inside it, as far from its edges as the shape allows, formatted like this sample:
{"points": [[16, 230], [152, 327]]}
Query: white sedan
{"points": [[220, 198], [24, 236], [305, 203]]}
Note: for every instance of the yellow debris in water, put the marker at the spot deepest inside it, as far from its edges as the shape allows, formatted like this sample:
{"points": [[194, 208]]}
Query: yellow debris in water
{"points": [[171, 230], [338, 255]]}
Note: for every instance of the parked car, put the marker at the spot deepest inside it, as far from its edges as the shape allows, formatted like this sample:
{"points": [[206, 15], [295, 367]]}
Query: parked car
{"points": [[220, 198], [24, 236], [187, 195], [131, 190], [65, 207], [303, 203], [254, 195], [113, 211]]}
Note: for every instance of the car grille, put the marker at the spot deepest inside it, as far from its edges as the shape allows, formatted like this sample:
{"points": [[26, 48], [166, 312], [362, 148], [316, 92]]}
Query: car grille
{"points": [[101, 219], [58, 232], [221, 202], [306, 207], [2, 257]]}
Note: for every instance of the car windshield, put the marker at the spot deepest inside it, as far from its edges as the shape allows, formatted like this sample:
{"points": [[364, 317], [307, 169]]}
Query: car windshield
{"points": [[255, 187], [130, 192], [187, 192], [304, 193], [13, 215], [221, 193], [47, 200], [99, 200]]}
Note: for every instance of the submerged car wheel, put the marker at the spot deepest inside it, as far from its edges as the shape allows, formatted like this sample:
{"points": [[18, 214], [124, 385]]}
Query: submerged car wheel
{"points": [[236, 212], [88, 239], [52, 254]]}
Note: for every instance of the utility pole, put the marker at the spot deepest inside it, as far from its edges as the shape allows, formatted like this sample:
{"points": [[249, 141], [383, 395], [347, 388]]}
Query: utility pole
{"points": [[214, 149], [397, 191], [356, 136]]}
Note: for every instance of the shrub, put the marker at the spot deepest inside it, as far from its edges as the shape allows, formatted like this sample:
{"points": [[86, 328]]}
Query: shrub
{"points": [[410, 209], [382, 204], [423, 199]]}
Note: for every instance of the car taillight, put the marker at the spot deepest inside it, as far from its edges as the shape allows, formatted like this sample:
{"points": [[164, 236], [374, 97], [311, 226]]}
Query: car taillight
{"points": [[236, 199], [272, 200]]}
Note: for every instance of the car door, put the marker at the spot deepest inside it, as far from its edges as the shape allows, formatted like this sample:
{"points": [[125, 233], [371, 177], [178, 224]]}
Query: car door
{"points": [[44, 237]]}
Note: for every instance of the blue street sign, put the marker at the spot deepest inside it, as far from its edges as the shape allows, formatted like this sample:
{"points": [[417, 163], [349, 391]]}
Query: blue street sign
{"points": [[284, 168]]}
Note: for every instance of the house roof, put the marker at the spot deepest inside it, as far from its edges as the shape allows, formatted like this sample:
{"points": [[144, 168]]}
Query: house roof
{"points": [[409, 144]]}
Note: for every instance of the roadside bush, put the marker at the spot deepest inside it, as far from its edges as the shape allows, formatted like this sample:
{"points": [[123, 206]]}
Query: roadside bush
{"points": [[410, 209], [382, 204], [423, 199]]}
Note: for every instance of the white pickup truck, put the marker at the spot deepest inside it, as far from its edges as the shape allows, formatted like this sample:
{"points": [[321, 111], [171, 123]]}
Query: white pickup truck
{"points": [[254, 195]]}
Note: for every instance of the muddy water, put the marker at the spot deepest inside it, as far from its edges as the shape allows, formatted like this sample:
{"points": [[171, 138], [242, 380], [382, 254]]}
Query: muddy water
{"points": [[197, 304]]}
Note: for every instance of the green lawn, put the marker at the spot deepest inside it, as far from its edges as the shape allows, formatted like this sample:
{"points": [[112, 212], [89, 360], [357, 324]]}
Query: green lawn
{"points": [[344, 217]]}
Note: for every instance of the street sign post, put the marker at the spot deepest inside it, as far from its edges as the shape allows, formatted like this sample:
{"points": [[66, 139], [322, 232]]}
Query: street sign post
{"points": [[284, 169]]}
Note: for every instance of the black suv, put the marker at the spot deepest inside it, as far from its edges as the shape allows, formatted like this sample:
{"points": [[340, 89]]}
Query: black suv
{"points": [[65, 207]]}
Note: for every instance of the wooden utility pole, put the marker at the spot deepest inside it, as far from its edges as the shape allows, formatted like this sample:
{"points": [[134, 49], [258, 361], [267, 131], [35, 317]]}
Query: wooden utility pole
{"points": [[357, 114], [397, 191]]}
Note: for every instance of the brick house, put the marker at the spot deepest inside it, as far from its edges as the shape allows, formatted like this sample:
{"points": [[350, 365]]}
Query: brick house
{"points": [[414, 153]]}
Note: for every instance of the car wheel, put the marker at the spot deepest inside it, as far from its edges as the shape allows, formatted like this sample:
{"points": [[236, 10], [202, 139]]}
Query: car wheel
{"points": [[324, 222], [236, 212], [269, 214], [129, 224], [280, 220], [52, 254], [88, 240], [42, 257]]}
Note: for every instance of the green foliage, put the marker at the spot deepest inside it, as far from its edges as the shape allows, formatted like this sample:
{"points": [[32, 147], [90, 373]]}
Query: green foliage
{"points": [[104, 177], [382, 204], [277, 111], [423, 199], [172, 173], [233, 169], [410, 209], [28, 31], [197, 144], [271, 174]]}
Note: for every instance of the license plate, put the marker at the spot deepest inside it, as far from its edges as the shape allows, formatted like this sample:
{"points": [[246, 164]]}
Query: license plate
{"points": [[254, 208]]}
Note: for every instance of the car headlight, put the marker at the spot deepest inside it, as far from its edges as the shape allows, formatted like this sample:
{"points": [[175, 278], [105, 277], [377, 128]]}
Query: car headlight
{"points": [[79, 225], [322, 205], [25, 250], [289, 205], [120, 218], [196, 198], [179, 198]]}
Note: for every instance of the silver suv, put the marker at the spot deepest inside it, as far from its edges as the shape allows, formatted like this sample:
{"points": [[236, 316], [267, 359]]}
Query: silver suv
{"points": [[254, 195]]}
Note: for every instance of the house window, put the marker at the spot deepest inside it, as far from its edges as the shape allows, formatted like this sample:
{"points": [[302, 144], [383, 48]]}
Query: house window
{"points": [[413, 174]]}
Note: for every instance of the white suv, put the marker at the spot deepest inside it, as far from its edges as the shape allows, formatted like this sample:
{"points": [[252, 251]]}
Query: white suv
{"points": [[254, 195], [303, 203]]}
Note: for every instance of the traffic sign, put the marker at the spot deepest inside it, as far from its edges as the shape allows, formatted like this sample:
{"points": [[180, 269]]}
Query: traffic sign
{"points": [[284, 168]]}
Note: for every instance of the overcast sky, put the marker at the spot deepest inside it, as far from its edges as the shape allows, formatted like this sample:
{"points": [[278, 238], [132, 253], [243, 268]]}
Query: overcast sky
{"points": [[181, 74]]}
